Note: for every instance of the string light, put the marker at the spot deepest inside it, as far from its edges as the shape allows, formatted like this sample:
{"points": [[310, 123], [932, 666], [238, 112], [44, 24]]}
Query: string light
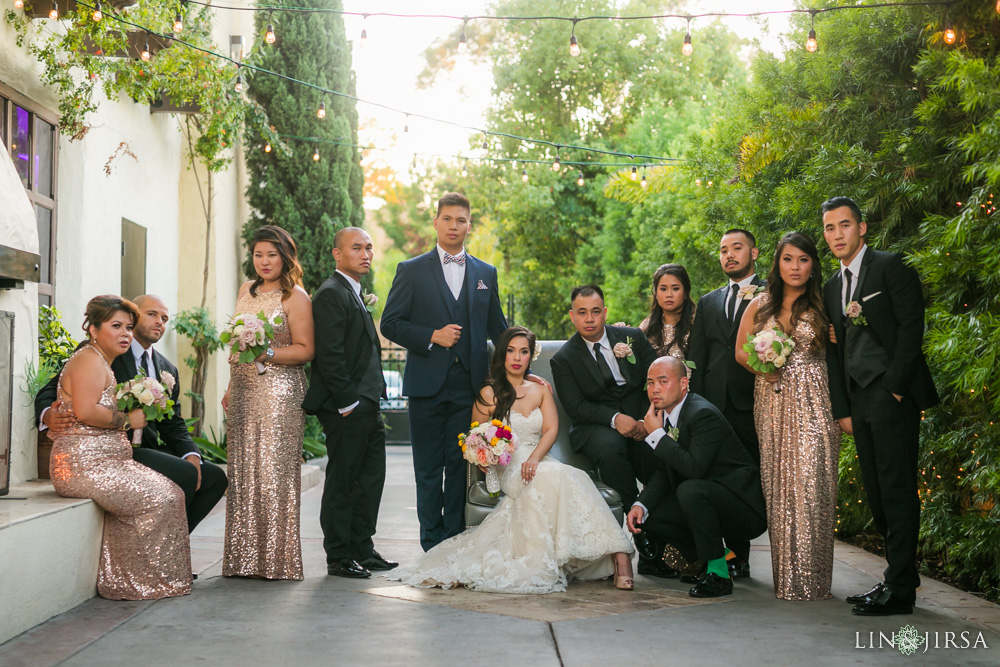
{"points": [[178, 23], [364, 30], [316, 154], [811, 42], [579, 179], [643, 182], [239, 82], [486, 141], [267, 147], [463, 44], [321, 111], [54, 12], [98, 14], [524, 175], [406, 125], [574, 47], [557, 165], [687, 49], [145, 55], [465, 169], [949, 34], [635, 174], [269, 34], [18, 4]]}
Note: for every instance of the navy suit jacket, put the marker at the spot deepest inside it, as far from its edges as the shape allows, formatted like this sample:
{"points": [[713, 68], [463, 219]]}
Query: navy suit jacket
{"points": [[419, 302]]}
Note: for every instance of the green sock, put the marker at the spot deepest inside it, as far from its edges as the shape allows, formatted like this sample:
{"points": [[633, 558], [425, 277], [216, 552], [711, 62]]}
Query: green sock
{"points": [[718, 566]]}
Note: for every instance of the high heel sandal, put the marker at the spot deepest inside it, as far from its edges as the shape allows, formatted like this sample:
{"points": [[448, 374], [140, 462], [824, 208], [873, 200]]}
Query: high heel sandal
{"points": [[623, 582]]}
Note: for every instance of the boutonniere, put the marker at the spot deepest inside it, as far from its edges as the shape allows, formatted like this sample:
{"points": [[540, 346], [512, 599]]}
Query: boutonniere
{"points": [[168, 380], [674, 433], [854, 312], [369, 300], [624, 350], [750, 291]]}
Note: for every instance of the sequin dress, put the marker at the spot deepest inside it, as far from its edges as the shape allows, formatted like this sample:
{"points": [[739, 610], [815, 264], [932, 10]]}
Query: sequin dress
{"points": [[265, 425], [541, 535], [799, 444], [674, 350], [145, 552]]}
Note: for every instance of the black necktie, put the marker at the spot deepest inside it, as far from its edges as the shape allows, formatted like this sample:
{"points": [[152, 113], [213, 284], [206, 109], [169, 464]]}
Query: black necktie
{"points": [[602, 364], [144, 362], [847, 294], [731, 307]]}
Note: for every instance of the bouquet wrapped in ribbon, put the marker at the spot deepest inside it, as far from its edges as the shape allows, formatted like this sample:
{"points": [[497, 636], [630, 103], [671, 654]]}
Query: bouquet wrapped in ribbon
{"points": [[149, 395], [769, 350], [489, 445], [248, 336]]}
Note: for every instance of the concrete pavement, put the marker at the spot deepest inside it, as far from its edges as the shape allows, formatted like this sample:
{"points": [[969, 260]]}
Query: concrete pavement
{"points": [[328, 620]]}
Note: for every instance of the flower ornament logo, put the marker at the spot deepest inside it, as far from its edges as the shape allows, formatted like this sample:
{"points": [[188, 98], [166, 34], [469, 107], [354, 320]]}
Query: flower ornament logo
{"points": [[908, 640]]}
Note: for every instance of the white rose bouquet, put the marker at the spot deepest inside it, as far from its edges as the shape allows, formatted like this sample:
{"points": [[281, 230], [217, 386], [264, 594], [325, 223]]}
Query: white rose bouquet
{"points": [[768, 351], [248, 336], [149, 395]]}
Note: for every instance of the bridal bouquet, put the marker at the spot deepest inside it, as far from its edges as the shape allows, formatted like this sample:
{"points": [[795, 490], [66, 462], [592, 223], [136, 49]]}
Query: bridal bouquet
{"points": [[149, 395], [248, 336], [769, 350], [489, 445]]}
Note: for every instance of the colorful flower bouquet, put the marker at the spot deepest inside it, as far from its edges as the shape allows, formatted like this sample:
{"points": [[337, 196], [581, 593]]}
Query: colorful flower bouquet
{"points": [[149, 395], [768, 351], [489, 445], [248, 336]]}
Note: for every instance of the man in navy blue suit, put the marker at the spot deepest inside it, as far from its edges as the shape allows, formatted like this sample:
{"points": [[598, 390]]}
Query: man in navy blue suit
{"points": [[441, 307]]}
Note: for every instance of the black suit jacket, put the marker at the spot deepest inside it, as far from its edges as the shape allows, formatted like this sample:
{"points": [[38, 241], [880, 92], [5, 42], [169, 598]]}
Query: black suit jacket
{"points": [[706, 448], [581, 388], [717, 375], [345, 335], [419, 303], [892, 301], [173, 431]]}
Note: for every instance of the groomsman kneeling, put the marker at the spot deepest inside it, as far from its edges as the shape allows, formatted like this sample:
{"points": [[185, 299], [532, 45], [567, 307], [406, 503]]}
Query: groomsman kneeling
{"points": [[344, 393], [706, 489]]}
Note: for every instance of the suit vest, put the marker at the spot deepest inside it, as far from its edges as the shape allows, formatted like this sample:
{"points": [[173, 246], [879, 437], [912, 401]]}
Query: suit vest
{"points": [[460, 312]]}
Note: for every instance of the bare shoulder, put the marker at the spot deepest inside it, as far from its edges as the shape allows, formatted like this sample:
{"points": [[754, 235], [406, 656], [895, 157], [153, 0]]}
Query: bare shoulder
{"points": [[245, 287], [299, 296], [486, 396]]}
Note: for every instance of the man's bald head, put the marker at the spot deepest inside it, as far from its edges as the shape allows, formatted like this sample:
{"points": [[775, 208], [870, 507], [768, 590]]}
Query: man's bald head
{"points": [[153, 316], [344, 235], [353, 252], [667, 382], [142, 299]]}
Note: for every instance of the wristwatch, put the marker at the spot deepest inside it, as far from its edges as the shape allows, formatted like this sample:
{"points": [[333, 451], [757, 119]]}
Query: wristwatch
{"points": [[269, 353]]}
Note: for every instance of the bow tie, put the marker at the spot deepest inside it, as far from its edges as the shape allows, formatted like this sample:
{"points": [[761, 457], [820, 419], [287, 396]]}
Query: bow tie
{"points": [[457, 259]]}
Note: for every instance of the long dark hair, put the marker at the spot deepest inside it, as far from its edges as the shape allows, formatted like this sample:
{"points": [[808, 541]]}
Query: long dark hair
{"points": [[654, 331], [811, 300], [291, 270], [504, 393]]}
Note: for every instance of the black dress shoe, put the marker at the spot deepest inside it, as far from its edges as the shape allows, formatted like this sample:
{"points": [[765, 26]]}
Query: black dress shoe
{"points": [[347, 567], [694, 577], [739, 569], [194, 576], [885, 603], [646, 546], [865, 598], [712, 586], [377, 562], [657, 568]]}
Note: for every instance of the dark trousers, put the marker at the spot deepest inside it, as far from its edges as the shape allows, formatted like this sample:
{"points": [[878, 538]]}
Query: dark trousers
{"points": [[438, 466], [887, 436], [746, 430], [620, 461], [700, 515], [198, 502], [355, 477]]}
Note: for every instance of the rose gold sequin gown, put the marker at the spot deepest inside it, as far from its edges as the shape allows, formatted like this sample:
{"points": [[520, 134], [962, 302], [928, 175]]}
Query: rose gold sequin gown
{"points": [[265, 425], [799, 444], [145, 553], [668, 334]]}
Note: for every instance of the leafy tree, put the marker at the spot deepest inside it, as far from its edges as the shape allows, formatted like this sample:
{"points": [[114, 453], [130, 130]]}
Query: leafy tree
{"points": [[310, 199]]}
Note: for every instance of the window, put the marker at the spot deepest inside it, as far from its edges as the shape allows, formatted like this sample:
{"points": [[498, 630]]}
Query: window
{"points": [[28, 133]]}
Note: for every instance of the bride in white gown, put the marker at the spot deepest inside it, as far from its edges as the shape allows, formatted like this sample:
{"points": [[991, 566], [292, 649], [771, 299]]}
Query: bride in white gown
{"points": [[552, 525]]}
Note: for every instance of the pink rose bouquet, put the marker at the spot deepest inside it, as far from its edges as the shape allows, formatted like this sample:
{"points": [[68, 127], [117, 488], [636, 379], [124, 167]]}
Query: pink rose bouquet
{"points": [[768, 350], [489, 445], [149, 395], [248, 336]]}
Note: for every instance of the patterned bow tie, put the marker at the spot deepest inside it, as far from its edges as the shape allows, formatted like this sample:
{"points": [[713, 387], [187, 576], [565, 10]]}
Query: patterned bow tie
{"points": [[457, 259]]}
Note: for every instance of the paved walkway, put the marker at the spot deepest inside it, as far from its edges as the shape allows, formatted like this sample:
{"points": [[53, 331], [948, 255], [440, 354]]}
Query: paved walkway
{"points": [[332, 621]]}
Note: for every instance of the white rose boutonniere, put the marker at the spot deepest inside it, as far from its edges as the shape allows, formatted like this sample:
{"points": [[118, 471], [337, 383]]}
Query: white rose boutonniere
{"points": [[624, 350], [750, 291], [369, 300]]}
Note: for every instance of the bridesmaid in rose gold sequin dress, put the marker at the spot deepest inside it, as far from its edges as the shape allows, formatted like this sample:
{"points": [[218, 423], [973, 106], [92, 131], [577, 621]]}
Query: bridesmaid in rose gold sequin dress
{"points": [[145, 553], [265, 423], [673, 307], [799, 439]]}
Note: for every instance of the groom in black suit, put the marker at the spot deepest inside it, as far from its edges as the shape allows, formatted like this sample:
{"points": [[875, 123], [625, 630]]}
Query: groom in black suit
{"points": [[879, 383], [441, 308], [344, 393], [717, 375], [166, 446]]}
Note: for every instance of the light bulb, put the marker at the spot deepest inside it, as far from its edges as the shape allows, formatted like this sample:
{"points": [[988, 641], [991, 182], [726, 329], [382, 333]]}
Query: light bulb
{"points": [[643, 182], [239, 83], [145, 55], [98, 14], [635, 174], [267, 147], [574, 48], [18, 4], [463, 44], [949, 34], [406, 128], [269, 35], [557, 165], [998, 6], [579, 179], [687, 49], [465, 170], [524, 175], [321, 112], [316, 154], [811, 42], [364, 37], [54, 12], [178, 23], [486, 143]]}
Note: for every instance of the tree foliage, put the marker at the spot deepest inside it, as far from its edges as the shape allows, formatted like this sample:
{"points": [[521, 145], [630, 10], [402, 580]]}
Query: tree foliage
{"points": [[310, 199]]}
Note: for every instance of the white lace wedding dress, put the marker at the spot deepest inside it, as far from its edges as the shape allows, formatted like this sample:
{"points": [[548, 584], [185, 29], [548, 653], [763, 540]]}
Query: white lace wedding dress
{"points": [[541, 535]]}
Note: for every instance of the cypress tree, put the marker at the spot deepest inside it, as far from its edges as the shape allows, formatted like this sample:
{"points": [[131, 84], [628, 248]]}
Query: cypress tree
{"points": [[309, 198]]}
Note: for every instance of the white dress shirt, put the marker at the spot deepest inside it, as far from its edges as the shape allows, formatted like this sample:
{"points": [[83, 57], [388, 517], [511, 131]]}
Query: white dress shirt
{"points": [[454, 274], [609, 356], [729, 291], [356, 286], [855, 267], [653, 439]]}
